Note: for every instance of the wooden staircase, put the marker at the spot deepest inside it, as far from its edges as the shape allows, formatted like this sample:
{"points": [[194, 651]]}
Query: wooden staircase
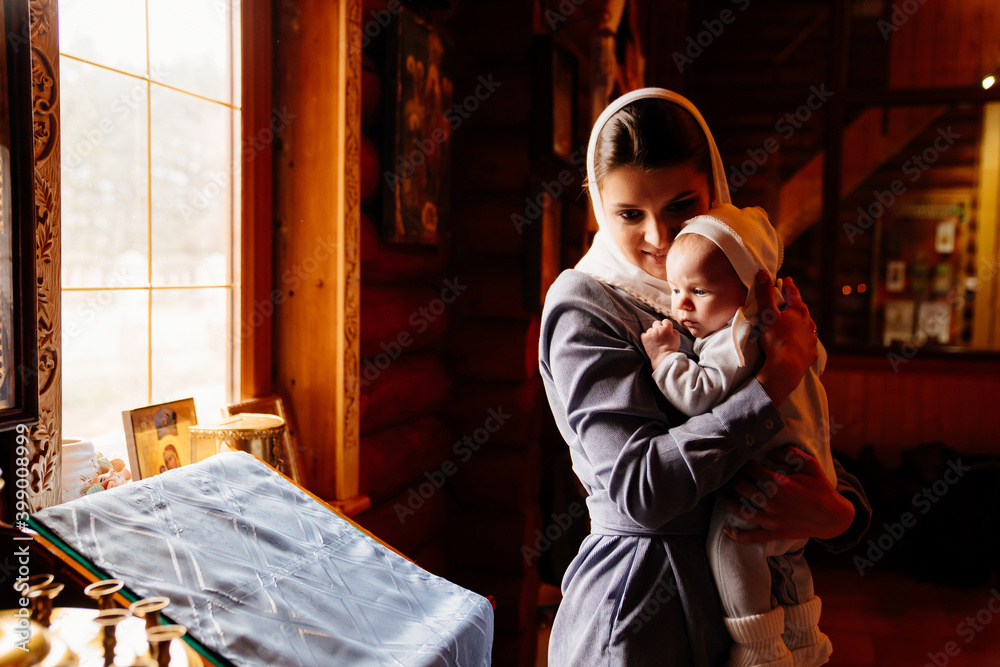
{"points": [[760, 85]]}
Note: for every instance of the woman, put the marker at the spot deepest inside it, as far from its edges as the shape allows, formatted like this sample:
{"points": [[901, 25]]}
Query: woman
{"points": [[640, 590]]}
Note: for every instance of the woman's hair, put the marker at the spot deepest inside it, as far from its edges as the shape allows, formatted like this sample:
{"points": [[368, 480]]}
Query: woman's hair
{"points": [[648, 134]]}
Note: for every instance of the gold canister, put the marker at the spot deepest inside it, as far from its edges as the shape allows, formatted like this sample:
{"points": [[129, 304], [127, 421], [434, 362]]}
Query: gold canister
{"points": [[256, 434]]}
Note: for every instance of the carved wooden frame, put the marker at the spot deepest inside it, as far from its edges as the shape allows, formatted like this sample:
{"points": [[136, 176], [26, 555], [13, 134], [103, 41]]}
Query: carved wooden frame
{"points": [[44, 450]]}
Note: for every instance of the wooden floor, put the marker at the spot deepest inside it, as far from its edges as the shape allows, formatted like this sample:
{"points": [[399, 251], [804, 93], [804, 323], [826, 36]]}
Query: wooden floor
{"points": [[887, 619]]}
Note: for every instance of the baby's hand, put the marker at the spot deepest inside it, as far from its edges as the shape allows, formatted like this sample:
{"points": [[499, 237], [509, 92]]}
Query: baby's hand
{"points": [[660, 340]]}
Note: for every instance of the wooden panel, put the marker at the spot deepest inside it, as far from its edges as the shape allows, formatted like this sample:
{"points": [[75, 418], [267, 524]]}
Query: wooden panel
{"points": [[384, 263], [256, 238], [925, 401], [390, 457], [317, 183], [493, 291], [506, 479], [498, 349], [401, 319], [986, 334], [523, 401], [408, 520], [492, 539], [483, 224], [413, 385], [501, 163]]}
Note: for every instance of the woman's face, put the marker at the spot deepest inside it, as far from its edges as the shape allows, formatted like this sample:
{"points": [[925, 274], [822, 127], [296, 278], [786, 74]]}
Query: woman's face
{"points": [[645, 210]]}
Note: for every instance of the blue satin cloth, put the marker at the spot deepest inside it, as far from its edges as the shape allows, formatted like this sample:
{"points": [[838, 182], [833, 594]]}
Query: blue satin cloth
{"points": [[261, 573]]}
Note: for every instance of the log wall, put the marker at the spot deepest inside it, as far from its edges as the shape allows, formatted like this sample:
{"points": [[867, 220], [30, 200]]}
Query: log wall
{"points": [[894, 403], [408, 300]]}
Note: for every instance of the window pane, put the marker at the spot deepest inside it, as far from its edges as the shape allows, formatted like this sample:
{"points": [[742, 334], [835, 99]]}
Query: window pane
{"points": [[190, 348], [199, 61], [108, 32], [192, 182], [105, 363], [104, 204]]}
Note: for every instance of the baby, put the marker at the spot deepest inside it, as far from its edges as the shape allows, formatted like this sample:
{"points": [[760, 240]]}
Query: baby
{"points": [[711, 268]]}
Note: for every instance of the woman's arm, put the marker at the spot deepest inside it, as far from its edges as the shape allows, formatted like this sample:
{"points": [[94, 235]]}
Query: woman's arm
{"points": [[600, 386], [791, 498]]}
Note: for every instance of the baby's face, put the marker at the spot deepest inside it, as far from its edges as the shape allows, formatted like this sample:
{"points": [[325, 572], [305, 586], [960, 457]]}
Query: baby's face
{"points": [[705, 290]]}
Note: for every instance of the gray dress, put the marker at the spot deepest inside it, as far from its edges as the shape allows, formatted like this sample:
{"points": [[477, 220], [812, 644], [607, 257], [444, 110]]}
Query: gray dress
{"points": [[640, 591]]}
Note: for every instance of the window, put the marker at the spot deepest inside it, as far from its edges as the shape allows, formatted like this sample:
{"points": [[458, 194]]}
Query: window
{"points": [[150, 112]]}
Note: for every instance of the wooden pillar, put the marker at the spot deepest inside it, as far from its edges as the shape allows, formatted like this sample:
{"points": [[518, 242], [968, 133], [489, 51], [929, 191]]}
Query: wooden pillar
{"points": [[986, 333], [260, 121], [317, 206]]}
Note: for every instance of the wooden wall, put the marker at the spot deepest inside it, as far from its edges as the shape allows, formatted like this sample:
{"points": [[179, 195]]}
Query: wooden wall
{"points": [[493, 344], [896, 402], [450, 397], [943, 42], [404, 381]]}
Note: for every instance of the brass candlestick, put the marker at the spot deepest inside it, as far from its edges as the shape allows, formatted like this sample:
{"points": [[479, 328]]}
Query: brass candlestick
{"points": [[36, 580], [159, 641], [149, 608], [41, 602], [103, 592], [109, 619]]}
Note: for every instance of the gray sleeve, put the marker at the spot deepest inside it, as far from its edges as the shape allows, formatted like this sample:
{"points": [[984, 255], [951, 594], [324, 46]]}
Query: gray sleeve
{"points": [[849, 487], [653, 470], [696, 386]]}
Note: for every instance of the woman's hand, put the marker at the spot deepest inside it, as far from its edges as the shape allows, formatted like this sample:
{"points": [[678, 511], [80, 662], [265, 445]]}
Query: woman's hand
{"points": [[791, 499], [788, 338]]}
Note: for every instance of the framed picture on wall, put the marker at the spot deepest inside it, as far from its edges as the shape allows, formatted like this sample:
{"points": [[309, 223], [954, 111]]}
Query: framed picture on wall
{"points": [[417, 155], [159, 436]]}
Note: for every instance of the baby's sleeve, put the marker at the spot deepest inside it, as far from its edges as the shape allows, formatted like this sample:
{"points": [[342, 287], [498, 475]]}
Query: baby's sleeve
{"points": [[695, 386]]}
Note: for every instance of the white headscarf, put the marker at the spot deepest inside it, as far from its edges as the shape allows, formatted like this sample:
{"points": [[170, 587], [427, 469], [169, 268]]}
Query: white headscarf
{"points": [[605, 260]]}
